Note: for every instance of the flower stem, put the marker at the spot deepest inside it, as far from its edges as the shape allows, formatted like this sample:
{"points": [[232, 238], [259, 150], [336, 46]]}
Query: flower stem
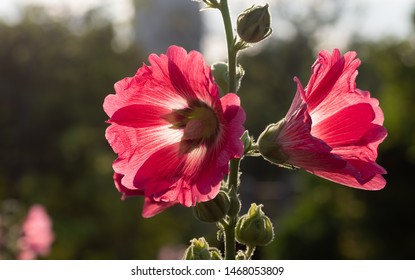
{"points": [[229, 235], [233, 178], [233, 181], [224, 9], [250, 251]]}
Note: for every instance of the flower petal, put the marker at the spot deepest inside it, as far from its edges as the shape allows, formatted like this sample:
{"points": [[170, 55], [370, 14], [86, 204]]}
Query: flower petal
{"points": [[332, 85], [235, 117], [139, 116], [122, 189], [345, 127], [304, 150], [375, 183], [152, 207], [190, 76]]}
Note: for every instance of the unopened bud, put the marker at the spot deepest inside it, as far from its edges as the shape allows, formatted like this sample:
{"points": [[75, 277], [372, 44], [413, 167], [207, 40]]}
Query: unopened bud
{"points": [[213, 210], [254, 228], [254, 24], [247, 141], [199, 250], [220, 72]]}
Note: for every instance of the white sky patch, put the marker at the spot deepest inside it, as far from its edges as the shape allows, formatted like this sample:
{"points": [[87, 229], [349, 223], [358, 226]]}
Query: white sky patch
{"points": [[371, 19]]}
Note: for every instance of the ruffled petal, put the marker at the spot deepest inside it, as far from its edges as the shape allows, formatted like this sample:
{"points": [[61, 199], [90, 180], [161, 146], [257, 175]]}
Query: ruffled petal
{"points": [[235, 118], [123, 190], [375, 183], [346, 127], [152, 207], [190, 76], [332, 85]]}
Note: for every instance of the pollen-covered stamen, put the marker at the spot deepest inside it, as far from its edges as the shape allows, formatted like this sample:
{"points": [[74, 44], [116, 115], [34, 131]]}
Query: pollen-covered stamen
{"points": [[199, 123]]}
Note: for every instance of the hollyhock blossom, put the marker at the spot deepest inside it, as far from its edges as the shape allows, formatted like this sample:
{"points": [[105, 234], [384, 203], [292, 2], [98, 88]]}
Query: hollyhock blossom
{"points": [[37, 233], [332, 128], [173, 135]]}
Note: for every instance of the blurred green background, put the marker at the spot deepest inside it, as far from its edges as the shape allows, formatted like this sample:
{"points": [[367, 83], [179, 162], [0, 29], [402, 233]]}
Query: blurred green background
{"points": [[54, 75]]}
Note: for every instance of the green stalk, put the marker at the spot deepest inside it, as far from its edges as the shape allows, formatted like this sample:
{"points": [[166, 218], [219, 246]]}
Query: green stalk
{"points": [[224, 9], [229, 228], [250, 251], [230, 251]]}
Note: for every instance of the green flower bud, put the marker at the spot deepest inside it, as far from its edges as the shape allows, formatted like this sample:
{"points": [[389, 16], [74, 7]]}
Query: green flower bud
{"points": [[213, 210], [254, 228], [221, 74], [199, 250], [247, 141], [253, 25]]}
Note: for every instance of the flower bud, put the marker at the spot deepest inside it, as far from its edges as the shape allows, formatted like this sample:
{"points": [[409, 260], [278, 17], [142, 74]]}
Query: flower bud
{"points": [[247, 141], [268, 144], [213, 210], [221, 74], [253, 25], [199, 250], [254, 228]]}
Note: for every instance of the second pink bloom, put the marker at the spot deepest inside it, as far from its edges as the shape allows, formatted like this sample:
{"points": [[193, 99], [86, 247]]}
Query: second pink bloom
{"points": [[332, 128]]}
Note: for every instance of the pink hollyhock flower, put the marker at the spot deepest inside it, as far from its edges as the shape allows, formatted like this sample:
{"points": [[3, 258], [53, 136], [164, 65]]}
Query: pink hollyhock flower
{"points": [[173, 135], [332, 129], [37, 234]]}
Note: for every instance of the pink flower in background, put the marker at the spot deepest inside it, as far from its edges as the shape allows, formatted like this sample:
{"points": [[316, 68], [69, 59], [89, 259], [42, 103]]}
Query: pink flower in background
{"points": [[173, 135], [37, 234], [332, 129]]}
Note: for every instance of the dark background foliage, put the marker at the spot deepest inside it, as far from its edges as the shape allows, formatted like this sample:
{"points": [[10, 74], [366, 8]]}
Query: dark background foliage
{"points": [[52, 85]]}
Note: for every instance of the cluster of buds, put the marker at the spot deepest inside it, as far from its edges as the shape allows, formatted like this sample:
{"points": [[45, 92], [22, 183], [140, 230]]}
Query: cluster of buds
{"points": [[252, 229]]}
